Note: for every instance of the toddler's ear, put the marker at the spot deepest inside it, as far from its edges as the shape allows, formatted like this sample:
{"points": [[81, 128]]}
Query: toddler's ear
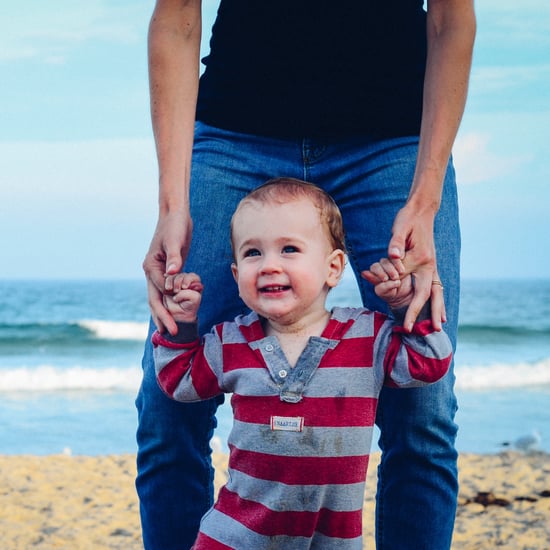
{"points": [[336, 264], [235, 271]]}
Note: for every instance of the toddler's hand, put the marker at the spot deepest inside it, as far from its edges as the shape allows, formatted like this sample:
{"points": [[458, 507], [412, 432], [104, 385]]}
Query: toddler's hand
{"points": [[182, 296], [397, 292]]}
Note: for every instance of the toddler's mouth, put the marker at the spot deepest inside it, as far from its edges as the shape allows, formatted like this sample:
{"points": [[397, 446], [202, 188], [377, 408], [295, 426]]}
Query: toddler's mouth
{"points": [[274, 288]]}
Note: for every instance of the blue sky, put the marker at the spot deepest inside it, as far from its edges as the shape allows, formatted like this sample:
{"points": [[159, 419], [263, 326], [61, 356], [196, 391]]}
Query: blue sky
{"points": [[78, 178]]}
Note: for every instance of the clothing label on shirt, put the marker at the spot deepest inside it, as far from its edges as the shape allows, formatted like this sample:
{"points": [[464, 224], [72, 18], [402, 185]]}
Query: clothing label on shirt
{"points": [[287, 423]]}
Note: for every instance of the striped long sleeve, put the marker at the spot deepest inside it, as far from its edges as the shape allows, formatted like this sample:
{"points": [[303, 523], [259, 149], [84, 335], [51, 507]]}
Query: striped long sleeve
{"points": [[301, 438]]}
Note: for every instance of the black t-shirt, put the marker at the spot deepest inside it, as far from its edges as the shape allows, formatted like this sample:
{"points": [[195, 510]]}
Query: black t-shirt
{"points": [[316, 68]]}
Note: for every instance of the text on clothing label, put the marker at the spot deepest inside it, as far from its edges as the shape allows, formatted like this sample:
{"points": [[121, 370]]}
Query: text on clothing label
{"points": [[287, 423]]}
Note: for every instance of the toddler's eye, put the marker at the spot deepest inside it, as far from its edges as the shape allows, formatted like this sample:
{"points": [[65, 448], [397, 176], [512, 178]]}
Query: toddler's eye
{"points": [[288, 249], [251, 252]]}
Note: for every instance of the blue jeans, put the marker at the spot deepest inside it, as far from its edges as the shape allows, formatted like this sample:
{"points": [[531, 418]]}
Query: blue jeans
{"points": [[370, 180]]}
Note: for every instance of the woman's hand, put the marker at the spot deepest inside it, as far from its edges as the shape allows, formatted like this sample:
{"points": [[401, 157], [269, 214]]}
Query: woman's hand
{"points": [[167, 252], [412, 251]]}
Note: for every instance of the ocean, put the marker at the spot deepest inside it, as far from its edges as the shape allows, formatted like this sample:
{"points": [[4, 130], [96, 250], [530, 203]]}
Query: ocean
{"points": [[70, 354]]}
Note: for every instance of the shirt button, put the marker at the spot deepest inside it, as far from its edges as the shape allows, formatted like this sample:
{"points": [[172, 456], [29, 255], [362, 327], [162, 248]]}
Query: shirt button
{"points": [[269, 347], [282, 373]]}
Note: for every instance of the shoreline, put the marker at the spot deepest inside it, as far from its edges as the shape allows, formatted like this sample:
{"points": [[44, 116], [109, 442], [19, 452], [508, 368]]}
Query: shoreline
{"points": [[81, 502]]}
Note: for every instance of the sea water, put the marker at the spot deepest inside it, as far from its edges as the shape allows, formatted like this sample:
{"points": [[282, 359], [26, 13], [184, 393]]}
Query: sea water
{"points": [[70, 354]]}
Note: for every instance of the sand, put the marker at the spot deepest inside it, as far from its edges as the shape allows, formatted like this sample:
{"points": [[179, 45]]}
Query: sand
{"points": [[78, 502]]}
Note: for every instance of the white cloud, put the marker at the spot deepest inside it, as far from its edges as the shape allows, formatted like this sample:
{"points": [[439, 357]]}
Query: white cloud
{"points": [[526, 22], [477, 163], [496, 79], [49, 30], [76, 209], [51, 176]]}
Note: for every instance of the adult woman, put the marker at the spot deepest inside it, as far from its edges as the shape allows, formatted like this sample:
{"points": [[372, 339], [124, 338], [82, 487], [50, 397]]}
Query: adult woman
{"points": [[364, 99]]}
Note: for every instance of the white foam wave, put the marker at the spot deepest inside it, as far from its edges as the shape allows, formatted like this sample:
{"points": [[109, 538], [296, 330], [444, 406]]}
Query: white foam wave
{"points": [[50, 378], [116, 330], [501, 375]]}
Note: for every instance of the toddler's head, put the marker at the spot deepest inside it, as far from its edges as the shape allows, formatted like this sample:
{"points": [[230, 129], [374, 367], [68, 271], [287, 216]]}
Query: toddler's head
{"points": [[283, 190]]}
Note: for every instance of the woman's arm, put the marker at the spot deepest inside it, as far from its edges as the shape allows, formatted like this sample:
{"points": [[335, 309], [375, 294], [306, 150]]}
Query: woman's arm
{"points": [[451, 30], [174, 51]]}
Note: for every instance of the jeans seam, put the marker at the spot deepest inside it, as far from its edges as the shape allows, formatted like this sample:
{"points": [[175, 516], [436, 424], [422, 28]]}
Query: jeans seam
{"points": [[379, 513]]}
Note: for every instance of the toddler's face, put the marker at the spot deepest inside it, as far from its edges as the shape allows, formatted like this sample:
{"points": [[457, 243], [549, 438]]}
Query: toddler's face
{"points": [[284, 262]]}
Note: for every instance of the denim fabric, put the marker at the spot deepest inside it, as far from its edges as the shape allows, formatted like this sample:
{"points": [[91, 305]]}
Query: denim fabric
{"points": [[370, 180]]}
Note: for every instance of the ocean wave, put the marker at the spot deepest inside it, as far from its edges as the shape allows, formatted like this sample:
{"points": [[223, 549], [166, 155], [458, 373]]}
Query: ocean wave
{"points": [[484, 333], [47, 378], [503, 375], [77, 331], [116, 330]]}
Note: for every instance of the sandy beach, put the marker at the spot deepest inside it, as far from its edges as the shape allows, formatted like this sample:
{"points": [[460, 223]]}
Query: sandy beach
{"points": [[79, 502]]}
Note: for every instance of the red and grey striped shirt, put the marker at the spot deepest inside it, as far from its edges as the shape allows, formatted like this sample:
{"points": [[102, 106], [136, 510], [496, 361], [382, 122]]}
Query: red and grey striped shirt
{"points": [[301, 438]]}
